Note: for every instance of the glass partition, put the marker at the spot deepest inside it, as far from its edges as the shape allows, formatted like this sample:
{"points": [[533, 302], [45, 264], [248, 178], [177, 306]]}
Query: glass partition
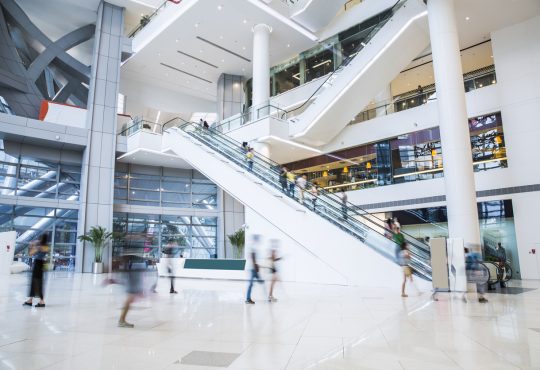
{"points": [[148, 236]]}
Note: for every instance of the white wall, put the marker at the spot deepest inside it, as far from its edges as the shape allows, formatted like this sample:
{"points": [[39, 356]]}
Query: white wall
{"points": [[141, 96], [516, 51]]}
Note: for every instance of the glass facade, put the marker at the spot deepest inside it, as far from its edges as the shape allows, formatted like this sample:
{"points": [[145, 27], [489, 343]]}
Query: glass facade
{"points": [[409, 157], [23, 175], [163, 187], [496, 220], [31, 222], [147, 236]]}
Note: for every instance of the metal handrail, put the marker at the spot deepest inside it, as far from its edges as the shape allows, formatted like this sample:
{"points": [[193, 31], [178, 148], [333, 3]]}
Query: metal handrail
{"points": [[356, 226], [392, 10], [154, 13]]}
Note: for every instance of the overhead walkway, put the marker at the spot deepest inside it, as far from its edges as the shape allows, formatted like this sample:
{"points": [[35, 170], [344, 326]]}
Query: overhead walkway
{"points": [[346, 238], [399, 37]]}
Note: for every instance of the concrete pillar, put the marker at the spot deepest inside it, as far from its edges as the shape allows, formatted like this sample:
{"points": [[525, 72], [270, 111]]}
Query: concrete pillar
{"points": [[230, 95], [453, 123], [261, 64], [97, 183]]}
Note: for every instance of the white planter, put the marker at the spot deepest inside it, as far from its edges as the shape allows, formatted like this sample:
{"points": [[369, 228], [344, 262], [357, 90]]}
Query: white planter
{"points": [[97, 267]]}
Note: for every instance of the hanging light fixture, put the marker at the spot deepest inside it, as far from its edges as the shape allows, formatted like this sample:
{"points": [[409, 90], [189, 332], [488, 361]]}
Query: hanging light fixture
{"points": [[498, 139], [345, 169], [325, 173], [368, 165], [433, 152]]}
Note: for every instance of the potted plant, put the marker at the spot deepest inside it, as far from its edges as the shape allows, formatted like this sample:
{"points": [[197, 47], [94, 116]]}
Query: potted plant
{"points": [[238, 240], [99, 237]]}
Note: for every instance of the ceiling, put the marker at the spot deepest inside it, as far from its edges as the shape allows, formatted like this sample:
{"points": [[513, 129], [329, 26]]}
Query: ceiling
{"points": [[149, 157], [60, 17], [226, 24]]}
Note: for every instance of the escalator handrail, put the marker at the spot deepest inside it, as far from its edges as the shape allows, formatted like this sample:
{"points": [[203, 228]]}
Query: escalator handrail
{"points": [[417, 261], [274, 166], [390, 13], [421, 252]]}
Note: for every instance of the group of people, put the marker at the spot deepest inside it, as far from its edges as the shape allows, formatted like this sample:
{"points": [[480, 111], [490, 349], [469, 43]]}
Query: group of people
{"points": [[289, 181]]}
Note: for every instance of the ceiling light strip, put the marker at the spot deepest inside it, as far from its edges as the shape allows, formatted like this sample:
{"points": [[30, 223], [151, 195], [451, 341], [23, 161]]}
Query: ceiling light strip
{"points": [[197, 59], [187, 73], [224, 49]]}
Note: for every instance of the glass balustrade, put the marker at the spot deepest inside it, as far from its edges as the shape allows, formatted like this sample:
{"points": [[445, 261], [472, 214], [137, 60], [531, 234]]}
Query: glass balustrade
{"points": [[345, 216]]}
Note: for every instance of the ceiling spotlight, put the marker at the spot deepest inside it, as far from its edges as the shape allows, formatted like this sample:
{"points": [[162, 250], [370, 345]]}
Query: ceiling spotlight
{"points": [[243, 69], [158, 54], [222, 60], [221, 37], [196, 25], [176, 40], [243, 48], [288, 45], [467, 18], [219, 7], [244, 21]]}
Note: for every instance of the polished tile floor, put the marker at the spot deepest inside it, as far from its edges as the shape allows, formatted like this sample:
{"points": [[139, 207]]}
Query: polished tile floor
{"points": [[310, 327]]}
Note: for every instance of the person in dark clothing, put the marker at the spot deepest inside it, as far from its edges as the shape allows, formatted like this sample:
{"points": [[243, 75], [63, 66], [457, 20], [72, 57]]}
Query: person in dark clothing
{"points": [[283, 179], [206, 126], [36, 283], [500, 254], [343, 204]]}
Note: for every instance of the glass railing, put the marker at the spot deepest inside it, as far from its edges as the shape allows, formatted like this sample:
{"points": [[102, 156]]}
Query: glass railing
{"points": [[138, 124], [253, 114], [145, 19], [349, 218], [425, 94], [352, 51]]}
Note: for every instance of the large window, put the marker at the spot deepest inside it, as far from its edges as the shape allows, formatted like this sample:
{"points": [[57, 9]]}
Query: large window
{"points": [[163, 187], [147, 236], [23, 175], [31, 222]]}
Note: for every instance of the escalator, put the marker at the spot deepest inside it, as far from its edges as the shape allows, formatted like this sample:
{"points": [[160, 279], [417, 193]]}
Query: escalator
{"points": [[398, 37], [345, 237]]}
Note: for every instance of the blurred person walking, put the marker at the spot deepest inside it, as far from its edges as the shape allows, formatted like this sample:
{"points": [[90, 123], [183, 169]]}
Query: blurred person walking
{"points": [[389, 228], [283, 179], [477, 274], [404, 260], [254, 246], [39, 252], [274, 245], [291, 177], [249, 159], [301, 181], [314, 191], [344, 198]]}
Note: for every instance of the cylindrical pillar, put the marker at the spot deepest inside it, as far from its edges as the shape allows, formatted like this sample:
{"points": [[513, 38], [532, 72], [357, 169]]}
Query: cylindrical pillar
{"points": [[453, 123], [261, 65]]}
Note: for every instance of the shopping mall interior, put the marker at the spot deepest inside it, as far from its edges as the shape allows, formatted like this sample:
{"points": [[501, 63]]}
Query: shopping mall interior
{"points": [[269, 184]]}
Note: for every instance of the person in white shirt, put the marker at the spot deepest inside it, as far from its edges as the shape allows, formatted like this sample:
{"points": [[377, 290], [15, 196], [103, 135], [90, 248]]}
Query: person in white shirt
{"points": [[301, 182]]}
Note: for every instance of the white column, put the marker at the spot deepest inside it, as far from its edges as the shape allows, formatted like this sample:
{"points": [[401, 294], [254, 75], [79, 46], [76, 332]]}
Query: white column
{"points": [[261, 64], [453, 123]]}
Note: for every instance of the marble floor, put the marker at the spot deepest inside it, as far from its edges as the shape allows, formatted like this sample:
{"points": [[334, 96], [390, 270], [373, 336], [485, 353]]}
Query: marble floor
{"points": [[208, 326]]}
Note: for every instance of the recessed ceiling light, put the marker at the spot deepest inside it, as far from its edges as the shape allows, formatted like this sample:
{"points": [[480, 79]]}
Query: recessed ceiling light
{"points": [[222, 60], [219, 7], [288, 45], [221, 37], [158, 54], [176, 40], [243, 48], [244, 21], [243, 69], [491, 56], [196, 25], [142, 14], [467, 18]]}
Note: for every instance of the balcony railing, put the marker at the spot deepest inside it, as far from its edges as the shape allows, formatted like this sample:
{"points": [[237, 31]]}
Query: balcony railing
{"points": [[473, 80], [146, 19]]}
